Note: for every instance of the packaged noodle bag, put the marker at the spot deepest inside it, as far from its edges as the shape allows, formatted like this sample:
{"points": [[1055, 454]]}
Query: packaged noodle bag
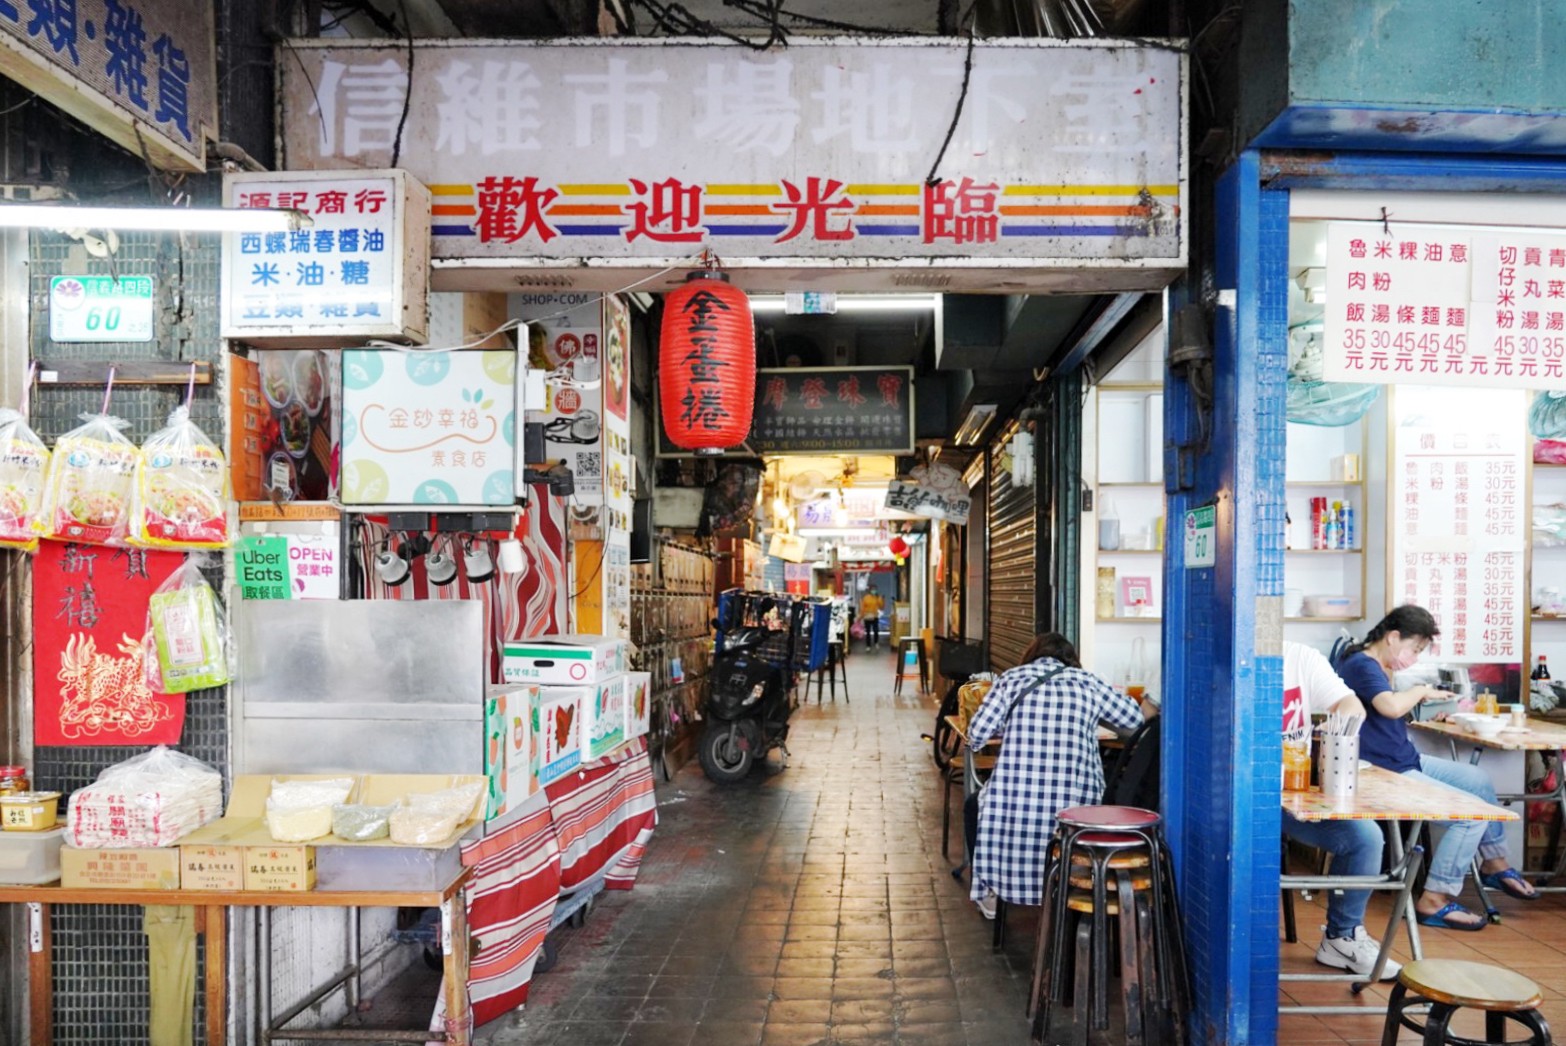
{"points": [[187, 642], [91, 486], [24, 463], [181, 488]]}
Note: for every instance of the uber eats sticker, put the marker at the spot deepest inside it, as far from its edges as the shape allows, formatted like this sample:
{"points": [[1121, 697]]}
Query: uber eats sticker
{"points": [[293, 566]]}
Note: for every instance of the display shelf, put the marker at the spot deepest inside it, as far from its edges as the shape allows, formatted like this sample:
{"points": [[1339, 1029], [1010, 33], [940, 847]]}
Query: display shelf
{"points": [[1127, 618], [1132, 483], [1328, 483], [1321, 620], [1130, 552], [1324, 551]]}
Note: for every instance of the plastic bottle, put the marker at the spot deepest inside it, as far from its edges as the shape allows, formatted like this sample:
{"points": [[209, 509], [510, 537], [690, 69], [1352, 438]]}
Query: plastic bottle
{"points": [[1542, 670], [1350, 537], [1330, 531]]}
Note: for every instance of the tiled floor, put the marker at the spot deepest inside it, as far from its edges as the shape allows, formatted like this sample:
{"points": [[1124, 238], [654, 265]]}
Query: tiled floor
{"points": [[812, 905], [808, 905]]}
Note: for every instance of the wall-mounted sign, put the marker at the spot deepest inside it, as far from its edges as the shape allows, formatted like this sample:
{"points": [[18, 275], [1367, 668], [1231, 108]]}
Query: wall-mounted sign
{"points": [[1444, 305], [1201, 538], [788, 547], [100, 308], [926, 501], [428, 428], [287, 566], [1063, 153], [1460, 519], [140, 72], [359, 268]]}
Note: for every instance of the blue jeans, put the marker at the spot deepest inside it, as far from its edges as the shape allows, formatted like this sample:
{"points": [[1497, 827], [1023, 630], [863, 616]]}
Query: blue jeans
{"points": [[1356, 850], [1452, 858]]}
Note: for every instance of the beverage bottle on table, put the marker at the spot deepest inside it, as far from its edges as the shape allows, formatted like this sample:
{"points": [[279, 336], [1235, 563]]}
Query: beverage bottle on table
{"points": [[1541, 671]]}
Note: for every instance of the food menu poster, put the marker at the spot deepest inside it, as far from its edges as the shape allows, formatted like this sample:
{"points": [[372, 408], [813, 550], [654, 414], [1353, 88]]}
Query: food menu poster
{"points": [[1459, 517], [280, 425], [1444, 305]]}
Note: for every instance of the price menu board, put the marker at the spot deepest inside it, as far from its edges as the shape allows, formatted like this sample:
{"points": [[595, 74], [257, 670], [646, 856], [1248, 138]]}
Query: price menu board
{"points": [[1459, 517]]}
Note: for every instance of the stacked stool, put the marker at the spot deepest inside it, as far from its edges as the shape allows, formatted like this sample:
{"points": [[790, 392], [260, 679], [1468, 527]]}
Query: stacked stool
{"points": [[1446, 986], [1109, 862]]}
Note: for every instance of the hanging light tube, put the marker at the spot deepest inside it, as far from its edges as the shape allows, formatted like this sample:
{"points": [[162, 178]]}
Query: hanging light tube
{"points": [[151, 219]]}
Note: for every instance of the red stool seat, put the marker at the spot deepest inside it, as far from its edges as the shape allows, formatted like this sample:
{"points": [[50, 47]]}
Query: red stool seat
{"points": [[1110, 817]]}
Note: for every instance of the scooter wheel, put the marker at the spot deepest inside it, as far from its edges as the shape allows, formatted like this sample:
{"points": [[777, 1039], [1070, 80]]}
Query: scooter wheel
{"points": [[723, 758]]}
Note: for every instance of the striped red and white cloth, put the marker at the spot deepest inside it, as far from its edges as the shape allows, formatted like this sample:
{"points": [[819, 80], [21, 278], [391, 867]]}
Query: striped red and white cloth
{"points": [[596, 821]]}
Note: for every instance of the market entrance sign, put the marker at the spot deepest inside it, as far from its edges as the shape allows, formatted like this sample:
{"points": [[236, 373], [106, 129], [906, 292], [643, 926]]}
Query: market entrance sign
{"points": [[1068, 156], [1444, 305], [140, 72]]}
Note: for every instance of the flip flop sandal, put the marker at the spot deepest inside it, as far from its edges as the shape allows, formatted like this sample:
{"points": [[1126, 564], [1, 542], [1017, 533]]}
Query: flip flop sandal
{"points": [[1505, 880], [1439, 918]]}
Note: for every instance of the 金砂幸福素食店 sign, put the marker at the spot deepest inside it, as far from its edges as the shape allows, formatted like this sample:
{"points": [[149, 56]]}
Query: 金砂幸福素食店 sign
{"points": [[356, 265], [1068, 151], [862, 410], [140, 72]]}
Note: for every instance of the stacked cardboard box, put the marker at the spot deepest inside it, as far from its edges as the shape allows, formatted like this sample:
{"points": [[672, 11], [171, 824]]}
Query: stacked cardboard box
{"points": [[587, 704]]}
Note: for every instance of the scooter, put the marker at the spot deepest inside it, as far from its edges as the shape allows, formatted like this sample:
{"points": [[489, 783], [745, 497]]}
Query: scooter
{"points": [[752, 694]]}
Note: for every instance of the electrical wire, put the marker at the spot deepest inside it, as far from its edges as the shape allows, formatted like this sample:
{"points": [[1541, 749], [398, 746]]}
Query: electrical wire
{"points": [[962, 96], [407, 91]]}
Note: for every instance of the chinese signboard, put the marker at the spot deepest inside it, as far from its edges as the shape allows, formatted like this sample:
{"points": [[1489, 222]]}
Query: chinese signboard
{"points": [[428, 428], [861, 410], [952, 506], [1460, 518], [1445, 305], [141, 72], [1201, 532], [1063, 151], [291, 566], [100, 308], [582, 342], [358, 268]]}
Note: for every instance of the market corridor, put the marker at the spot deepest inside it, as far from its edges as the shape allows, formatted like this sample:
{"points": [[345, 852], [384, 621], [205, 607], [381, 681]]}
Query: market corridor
{"points": [[806, 906]]}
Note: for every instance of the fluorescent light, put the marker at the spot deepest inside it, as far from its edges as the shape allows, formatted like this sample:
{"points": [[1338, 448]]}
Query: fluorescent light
{"points": [[155, 219], [974, 424], [856, 303]]}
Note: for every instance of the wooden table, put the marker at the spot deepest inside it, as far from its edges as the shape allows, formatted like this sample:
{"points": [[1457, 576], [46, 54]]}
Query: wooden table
{"points": [[211, 912], [1538, 737], [1381, 795]]}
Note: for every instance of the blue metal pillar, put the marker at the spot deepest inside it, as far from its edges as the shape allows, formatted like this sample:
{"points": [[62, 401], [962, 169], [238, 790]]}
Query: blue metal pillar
{"points": [[1223, 669]]}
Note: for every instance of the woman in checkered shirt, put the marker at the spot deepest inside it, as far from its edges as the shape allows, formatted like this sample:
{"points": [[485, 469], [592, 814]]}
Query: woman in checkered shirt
{"points": [[1048, 708]]}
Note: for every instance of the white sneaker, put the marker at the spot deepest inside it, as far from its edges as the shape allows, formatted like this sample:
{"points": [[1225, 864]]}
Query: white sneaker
{"points": [[987, 905], [1357, 954]]}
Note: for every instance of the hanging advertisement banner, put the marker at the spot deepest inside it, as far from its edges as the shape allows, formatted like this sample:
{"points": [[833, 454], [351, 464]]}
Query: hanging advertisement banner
{"points": [[142, 73], [356, 267], [1459, 517], [1065, 155], [952, 506], [1443, 305]]}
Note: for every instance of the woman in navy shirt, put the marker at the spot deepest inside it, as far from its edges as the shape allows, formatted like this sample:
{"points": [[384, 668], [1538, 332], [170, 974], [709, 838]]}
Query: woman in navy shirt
{"points": [[1392, 646]]}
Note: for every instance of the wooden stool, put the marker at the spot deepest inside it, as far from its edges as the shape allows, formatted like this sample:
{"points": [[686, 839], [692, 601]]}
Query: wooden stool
{"points": [[1449, 985], [915, 644]]}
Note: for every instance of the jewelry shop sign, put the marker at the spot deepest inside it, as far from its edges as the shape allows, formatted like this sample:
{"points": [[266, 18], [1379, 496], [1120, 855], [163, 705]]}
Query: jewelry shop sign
{"points": [[1067, 155]]}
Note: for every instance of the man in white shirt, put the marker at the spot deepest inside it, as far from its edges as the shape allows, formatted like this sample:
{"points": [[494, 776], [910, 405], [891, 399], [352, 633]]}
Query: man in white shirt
{"points": [[1310, 686]]}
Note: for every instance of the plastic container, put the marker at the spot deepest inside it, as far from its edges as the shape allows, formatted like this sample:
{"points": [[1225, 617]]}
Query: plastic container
{"points": [[372, 867], [1331, 606], [29, 811], [1339, 764], [30, 858], [13, 779]]}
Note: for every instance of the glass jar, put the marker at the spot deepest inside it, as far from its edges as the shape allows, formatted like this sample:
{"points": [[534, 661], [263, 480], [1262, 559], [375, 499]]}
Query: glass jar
{"points": [[13, 779]]}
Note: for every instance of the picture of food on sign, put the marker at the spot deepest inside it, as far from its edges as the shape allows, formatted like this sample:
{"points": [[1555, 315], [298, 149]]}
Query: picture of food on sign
{"points": [[310, 381], [616, 389], [294, 425], [564, 717], [296, 433], [277, 380]]}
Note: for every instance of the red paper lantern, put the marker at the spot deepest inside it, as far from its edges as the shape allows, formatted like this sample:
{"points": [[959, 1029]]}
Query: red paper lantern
{"points": [[898, 547], [707, 364]]}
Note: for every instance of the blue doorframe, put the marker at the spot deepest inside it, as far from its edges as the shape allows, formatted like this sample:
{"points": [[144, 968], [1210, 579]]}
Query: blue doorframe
{"points": [[1223, 670]]}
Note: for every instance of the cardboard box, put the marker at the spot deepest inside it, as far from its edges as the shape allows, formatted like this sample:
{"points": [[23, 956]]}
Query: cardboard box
{"points": [[508, 747], [603, 717], [638, 704], [212, 868], [557, 732], [133, 868], [563, 660], [280, 868]]}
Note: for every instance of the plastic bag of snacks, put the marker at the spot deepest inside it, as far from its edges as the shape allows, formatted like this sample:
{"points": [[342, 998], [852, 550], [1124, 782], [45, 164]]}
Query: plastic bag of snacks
{"points": [[91, 485], [150, 799], [187, 642], [431, 817], [24, 464], [298, 811], [182, 488]]}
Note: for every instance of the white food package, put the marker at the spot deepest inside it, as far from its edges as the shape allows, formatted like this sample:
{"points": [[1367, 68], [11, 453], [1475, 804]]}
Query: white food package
{"points": [[152, 799], [298, 811], [432, 817]]}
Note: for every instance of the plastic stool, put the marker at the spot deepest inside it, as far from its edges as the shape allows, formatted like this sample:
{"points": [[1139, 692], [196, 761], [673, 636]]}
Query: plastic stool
{"points": [[835, 666], [1110, 861], [915, 644], [1449, 985]]}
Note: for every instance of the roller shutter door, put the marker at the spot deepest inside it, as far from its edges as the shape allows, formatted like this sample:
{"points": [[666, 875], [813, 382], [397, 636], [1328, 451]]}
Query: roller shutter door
{"points": [[1011, 615]]}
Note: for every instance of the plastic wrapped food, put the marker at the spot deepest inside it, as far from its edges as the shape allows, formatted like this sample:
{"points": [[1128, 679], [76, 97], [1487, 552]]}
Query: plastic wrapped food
{"points": [[182, 488], [432, 817], [24, 465], [1547, 415], [358, 823], [298, 811], [91, 484], [187, 641], [153, 799]]}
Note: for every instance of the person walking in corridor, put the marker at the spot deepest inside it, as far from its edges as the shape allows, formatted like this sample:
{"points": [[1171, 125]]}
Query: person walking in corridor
{"points": [[870, 605]]}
